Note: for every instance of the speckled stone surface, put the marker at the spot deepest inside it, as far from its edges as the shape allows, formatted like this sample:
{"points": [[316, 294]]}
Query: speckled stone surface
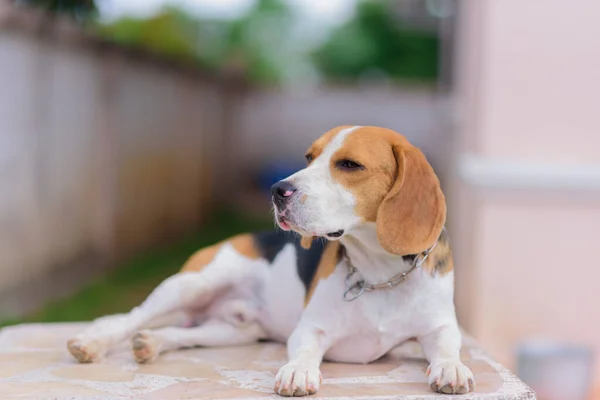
{"points": [[34, 364]]}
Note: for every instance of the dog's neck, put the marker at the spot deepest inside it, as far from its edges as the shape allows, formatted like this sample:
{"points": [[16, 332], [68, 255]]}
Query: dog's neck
{"points": [[366, 254]]}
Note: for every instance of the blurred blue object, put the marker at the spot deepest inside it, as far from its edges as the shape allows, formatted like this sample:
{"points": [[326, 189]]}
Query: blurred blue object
{"points": [[276, 171]]}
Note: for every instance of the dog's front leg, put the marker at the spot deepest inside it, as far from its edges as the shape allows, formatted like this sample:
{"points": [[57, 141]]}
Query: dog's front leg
{"points": [[447, 374], [301, 375]]}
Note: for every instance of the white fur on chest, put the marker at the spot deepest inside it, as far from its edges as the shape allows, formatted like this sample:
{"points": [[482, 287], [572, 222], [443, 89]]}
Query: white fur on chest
{"points": [[378, 321]]}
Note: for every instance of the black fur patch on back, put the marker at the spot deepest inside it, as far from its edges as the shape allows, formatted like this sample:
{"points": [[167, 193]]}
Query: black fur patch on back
{"points": [[270, 243]]}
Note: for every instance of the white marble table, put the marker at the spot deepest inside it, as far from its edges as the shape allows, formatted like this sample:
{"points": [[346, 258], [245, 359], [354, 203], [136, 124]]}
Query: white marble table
{"points": [[34, 364]]}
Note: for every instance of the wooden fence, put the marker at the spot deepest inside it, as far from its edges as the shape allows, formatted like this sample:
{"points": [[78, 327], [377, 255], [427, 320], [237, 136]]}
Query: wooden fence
{"points": [[94, 143]]}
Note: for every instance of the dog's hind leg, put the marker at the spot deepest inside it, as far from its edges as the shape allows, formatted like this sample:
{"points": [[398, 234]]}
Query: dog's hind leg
{"points": [[182, 292], [105, 331], [237, 326]]}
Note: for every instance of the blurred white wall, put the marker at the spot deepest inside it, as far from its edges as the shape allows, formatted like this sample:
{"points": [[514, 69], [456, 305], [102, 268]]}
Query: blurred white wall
{"points": [[281, 124], [526, 189]]}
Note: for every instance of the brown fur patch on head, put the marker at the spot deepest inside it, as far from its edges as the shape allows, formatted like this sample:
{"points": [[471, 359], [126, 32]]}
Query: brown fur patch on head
{"points": [[329, 260], [397, 189], [411, 217], [440, 260], [244, 244], [316, 148], [369, 147]]}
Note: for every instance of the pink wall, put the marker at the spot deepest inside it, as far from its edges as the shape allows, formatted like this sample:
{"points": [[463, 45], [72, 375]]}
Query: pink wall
{"points": [[525, 198], [541, 80]]}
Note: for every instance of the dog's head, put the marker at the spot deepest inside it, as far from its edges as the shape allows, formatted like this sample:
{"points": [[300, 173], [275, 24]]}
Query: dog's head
{"points": [[364, 175]]}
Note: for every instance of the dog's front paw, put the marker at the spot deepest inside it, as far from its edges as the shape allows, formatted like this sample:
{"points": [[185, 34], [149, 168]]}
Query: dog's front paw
{"points": [[297, 379], [450, 377]]}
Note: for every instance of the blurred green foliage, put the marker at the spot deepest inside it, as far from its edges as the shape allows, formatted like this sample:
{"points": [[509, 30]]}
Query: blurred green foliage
{"points": [[251, 42], [246, 44], [171, 33], [78, 9], [374, 42], [260, 44]]}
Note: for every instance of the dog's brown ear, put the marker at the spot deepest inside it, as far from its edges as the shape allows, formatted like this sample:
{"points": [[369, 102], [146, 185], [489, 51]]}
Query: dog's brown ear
{"points": [[306, 242], [412, 215]]}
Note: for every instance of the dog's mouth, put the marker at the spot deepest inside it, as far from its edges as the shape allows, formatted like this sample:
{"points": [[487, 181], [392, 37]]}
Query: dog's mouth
{"points": [[286, 225], [283, 223], [336, 234]]}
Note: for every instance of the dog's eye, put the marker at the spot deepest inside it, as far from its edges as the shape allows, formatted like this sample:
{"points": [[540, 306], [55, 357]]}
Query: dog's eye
{"points": [[308, 157], [348, 165]]}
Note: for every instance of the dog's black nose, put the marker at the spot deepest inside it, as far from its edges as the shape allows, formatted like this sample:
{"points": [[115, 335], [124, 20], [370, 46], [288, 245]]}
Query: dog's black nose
{"points": [[282, 191]]}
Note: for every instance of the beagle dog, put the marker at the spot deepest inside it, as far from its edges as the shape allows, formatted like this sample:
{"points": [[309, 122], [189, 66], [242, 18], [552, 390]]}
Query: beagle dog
{"points": [[380, 272]]}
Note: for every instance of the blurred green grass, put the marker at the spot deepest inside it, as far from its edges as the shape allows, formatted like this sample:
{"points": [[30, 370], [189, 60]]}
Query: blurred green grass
{"points": [[128, 285]]}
